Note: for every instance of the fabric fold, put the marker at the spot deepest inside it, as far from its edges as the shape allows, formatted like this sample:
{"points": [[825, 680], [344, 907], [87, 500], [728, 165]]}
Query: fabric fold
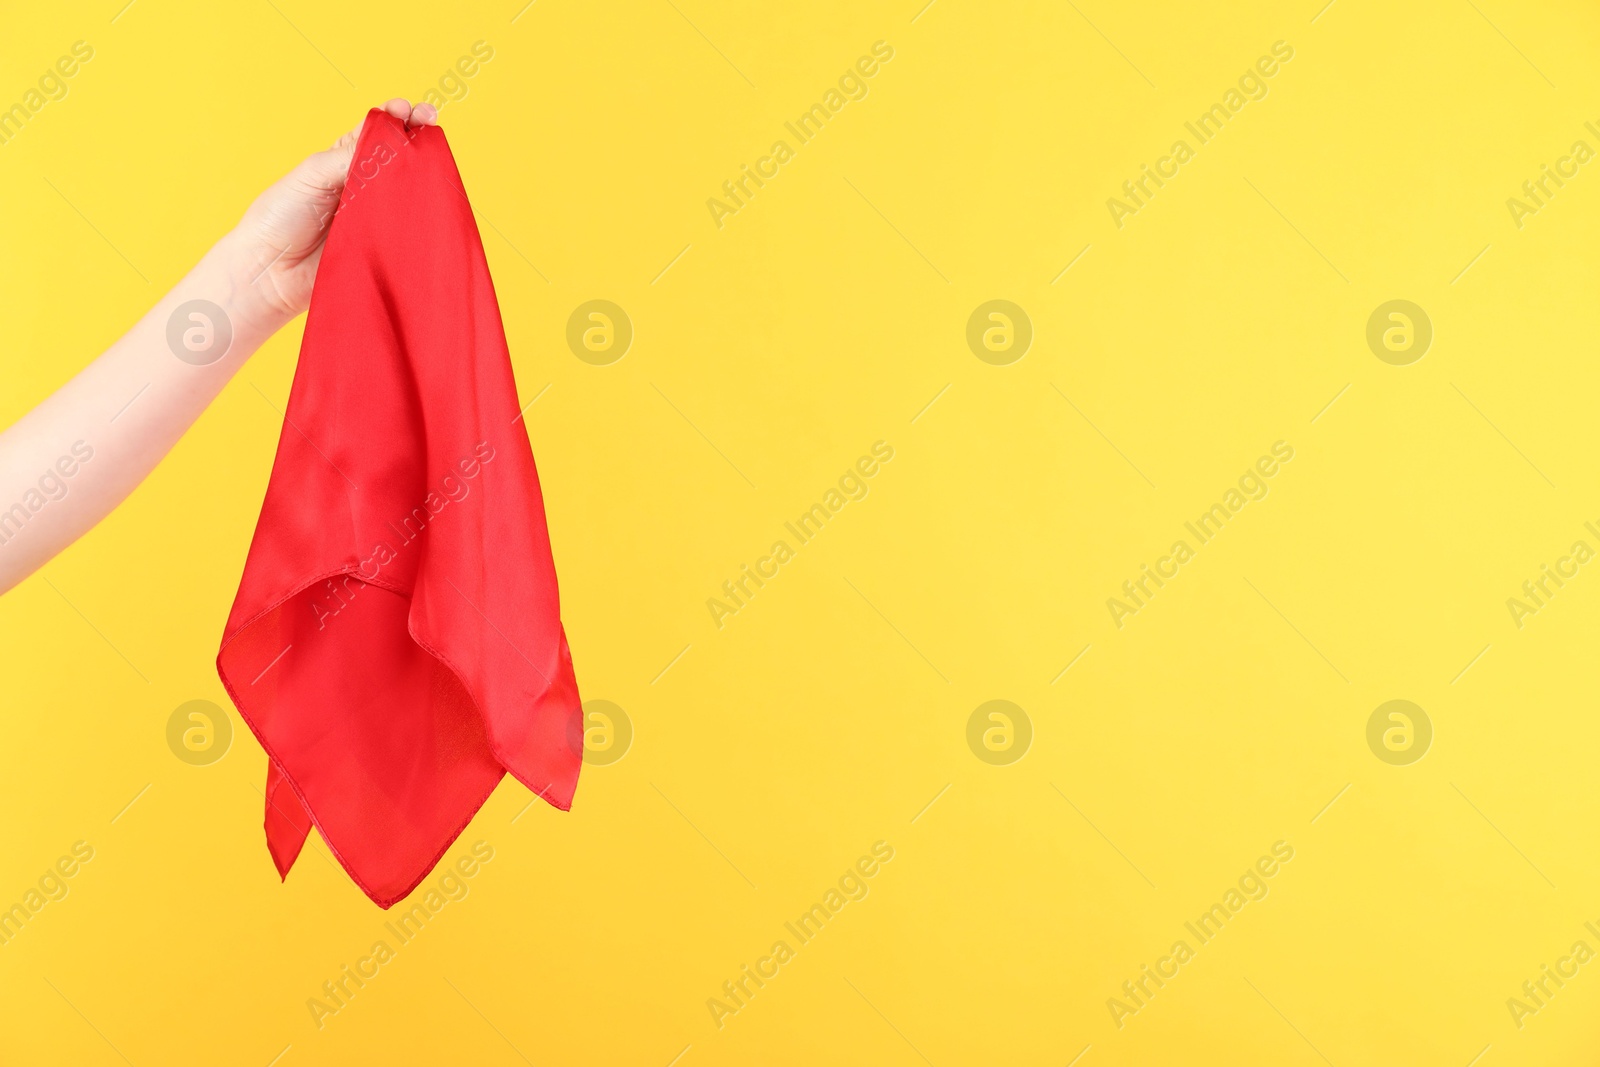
{"points": [[396, 642]]}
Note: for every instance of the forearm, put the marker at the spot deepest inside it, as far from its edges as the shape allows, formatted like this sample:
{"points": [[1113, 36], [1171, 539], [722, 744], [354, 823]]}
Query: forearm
{"points": [[67, 463]]}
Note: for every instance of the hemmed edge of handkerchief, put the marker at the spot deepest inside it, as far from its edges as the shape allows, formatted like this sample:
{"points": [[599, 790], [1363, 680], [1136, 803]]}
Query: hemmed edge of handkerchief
{"points": [[300, 798]]}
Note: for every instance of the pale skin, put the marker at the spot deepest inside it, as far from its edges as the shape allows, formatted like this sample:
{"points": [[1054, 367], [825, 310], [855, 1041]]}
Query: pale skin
{"points": [[133, 403]]}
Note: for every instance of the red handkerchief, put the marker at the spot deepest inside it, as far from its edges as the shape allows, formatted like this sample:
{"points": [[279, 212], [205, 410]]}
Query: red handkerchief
{"points": [[396, 642]]}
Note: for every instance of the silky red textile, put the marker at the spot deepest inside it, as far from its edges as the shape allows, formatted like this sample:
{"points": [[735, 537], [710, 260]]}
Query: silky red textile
{"points": [[396, 642]]}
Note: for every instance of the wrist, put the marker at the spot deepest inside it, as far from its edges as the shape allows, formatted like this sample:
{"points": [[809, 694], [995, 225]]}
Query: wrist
{"points": [[240, 269]]}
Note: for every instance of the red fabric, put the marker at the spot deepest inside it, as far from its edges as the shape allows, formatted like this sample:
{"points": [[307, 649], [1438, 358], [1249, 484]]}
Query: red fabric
{"points": [[396, 642]]}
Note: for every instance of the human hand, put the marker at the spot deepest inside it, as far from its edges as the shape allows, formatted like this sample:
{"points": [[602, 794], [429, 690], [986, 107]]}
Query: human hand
{"points": [[279, 241], [258, 276]]}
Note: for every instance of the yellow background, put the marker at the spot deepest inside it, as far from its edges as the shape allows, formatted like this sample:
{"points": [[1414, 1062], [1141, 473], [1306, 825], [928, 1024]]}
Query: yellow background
{"points": [[828, 713]]}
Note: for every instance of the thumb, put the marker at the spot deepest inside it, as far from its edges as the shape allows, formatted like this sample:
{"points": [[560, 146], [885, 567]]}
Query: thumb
{"points": [[326, 170]]}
